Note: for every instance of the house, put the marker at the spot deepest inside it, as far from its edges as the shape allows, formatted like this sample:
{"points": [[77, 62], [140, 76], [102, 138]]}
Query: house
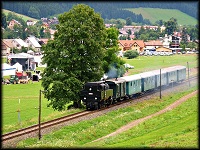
{"points": [[12, 23], [165, 40], [33, 43], [122, 33], [6, 46], [19, 43], [153, 44], [45, 25], [30, 22], [175, 42], [137, 45], [163, 49], [109, 25], [162, 28]]}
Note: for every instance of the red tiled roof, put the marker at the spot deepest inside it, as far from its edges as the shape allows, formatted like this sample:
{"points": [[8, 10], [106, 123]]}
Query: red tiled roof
{"points": [[129, 43], [8, 42]]}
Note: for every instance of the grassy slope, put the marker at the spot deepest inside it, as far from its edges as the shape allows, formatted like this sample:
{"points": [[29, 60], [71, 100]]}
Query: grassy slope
{"points": [[25, 18], [167, 130], [154, 14]]}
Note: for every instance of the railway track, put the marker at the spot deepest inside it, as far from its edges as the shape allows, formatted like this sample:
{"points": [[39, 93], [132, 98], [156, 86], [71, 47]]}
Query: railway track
{"points": [[43, 125], [35, 128]]}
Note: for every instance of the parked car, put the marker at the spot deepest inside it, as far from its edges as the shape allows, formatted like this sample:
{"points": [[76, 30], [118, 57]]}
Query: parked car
{"points": [[128, 66]]}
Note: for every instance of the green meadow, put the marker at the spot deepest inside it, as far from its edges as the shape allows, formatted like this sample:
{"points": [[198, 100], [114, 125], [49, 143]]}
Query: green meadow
{"points": [[146, 63], [177, 128], [20, 102], [155, 14], [25, 18]]}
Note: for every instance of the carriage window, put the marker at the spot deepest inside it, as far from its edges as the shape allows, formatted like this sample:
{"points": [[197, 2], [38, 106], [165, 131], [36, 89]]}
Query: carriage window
{"points": [[131, 83]]}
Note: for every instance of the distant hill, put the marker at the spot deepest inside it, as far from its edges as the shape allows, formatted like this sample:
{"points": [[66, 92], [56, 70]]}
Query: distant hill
{"points": [[24, 17], [110, 9], [154, 14]]}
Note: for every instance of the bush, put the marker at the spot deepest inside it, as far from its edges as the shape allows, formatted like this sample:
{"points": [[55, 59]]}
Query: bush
{"points": [[130, 54]]}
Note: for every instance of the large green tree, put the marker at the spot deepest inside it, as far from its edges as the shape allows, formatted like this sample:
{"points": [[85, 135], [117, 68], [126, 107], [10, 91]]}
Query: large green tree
{"points": [[74, 56]]}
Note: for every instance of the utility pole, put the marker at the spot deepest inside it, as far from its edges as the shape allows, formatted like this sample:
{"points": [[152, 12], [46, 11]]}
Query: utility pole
{"points": [[188, 74], [160, 84], [39, 118]]}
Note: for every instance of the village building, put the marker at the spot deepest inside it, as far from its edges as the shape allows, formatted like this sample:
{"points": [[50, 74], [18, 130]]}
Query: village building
{"points": [[153, 44], [12, 23], [137, 45], [33, 43], [19, 43], [6, 46]]}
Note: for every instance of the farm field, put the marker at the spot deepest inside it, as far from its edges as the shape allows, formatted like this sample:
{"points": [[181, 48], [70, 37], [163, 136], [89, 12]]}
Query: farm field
{"points": [[25, 97]]}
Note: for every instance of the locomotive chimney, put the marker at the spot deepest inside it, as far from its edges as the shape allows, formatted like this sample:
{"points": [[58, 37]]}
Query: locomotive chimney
{"points": [[116, 79]]}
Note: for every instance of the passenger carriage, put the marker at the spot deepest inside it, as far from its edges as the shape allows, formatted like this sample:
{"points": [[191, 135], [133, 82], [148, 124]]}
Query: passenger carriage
{"points": [[171, 74], [133, 85], [157, 76], [148, 81], [181, 72]]}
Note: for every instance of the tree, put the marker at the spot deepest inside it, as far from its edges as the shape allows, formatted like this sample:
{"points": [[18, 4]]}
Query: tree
{"points": [[74, 56], [3, 21], [128, 21], [32, 30], [33, 12], [171, 26], [184, 36]]}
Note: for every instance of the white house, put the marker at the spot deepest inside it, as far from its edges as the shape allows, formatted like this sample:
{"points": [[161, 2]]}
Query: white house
{"points": [[19, 43], [33, 43]]}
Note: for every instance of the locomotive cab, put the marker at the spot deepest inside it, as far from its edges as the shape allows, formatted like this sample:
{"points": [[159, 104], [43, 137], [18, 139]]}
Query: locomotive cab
{"points": [[95, 94]]}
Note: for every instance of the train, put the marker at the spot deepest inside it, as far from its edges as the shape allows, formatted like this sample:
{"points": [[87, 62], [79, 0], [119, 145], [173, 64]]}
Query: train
{"points": [[96, 95]]}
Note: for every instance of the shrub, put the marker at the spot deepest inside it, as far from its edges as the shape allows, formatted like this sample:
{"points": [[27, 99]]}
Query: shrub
{"points": [[130, 54]]}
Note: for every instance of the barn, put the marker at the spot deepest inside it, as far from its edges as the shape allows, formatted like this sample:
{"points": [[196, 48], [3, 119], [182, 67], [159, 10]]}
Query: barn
{"points": [[22, 58]]}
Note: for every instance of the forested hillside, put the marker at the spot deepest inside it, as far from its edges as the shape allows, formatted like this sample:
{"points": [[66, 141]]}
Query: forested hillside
{"points": [[108, 10]]}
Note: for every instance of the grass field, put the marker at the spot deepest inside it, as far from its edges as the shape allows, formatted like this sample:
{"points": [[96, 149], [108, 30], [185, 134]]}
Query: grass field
{"points": [[173, 129], [155, 14], [25, 18], [146, 63], [29, 93]]}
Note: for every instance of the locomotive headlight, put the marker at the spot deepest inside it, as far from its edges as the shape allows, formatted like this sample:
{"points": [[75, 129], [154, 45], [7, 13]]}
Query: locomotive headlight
{"points": [[95, 98], [84, 98]]}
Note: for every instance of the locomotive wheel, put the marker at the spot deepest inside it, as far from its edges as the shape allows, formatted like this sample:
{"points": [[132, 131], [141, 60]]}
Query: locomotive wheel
{"points": [[97, 106]]}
